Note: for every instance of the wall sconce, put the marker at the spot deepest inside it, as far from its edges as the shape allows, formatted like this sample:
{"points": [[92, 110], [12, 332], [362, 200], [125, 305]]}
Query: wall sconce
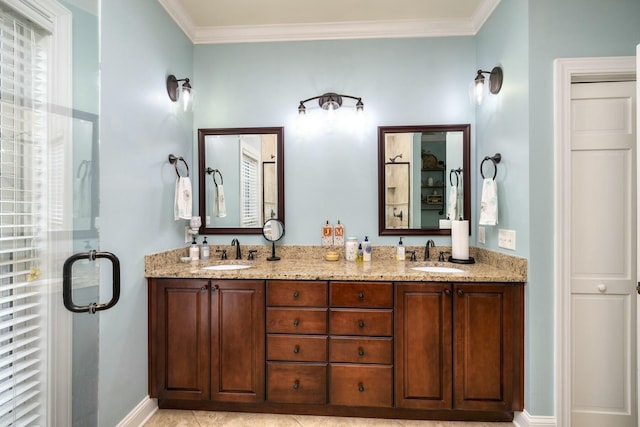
{"points": [[186, 93], [330, 101], [495, 83]]}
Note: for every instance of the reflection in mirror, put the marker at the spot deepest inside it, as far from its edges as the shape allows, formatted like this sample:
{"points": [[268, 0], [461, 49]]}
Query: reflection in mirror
{"points": [[86, 173], [423, 178], [273, 230], [241, 178]]}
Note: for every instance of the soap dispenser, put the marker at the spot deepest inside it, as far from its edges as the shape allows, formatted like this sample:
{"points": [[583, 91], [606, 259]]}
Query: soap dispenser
{"points": [[366, 249], [194, 250], [327, 234], [205, 251], [400, 251]]}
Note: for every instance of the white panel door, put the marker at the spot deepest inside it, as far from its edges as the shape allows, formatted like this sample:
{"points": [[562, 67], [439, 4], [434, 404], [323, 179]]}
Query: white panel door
{"points": [[603, 255]]}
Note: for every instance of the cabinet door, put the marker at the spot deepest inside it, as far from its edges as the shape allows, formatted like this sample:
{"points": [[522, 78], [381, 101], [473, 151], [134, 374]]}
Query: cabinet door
{"points": [[238, 340], [181, 343], [423, 360], [484, 346]]}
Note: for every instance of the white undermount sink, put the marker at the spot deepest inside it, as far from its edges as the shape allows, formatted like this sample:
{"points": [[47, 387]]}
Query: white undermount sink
{"points": [[226, 267], [437, 269]]}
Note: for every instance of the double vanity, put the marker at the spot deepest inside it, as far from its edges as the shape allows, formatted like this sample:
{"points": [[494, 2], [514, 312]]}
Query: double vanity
{"points": [[387, 338]]}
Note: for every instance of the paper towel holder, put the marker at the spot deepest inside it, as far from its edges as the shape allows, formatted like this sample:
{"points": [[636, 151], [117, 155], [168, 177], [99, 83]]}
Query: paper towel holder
{"points": [[471, 260]]}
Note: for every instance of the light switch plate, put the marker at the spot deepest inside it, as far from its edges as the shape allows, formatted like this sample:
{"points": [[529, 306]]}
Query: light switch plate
{"points": [[187, 235], [507, 239], [481, 235]]}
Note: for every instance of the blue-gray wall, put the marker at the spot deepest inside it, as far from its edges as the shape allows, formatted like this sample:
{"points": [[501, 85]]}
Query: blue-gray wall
{"points": [[333, 174], [140, 126]]}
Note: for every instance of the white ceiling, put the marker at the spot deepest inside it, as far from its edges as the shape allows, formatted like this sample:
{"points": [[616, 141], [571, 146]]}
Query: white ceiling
{"points": [[233, 21]]}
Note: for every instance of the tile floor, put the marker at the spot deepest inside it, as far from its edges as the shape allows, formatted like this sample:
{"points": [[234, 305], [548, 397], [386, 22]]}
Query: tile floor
{"points": [[176, 418]]}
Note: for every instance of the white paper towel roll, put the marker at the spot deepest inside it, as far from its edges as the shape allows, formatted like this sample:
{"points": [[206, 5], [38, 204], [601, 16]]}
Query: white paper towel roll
{"points": [[460, 240]]}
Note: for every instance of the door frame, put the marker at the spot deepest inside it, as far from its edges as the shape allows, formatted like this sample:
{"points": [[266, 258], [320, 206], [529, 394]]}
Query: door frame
{"points": [[566, 71]]}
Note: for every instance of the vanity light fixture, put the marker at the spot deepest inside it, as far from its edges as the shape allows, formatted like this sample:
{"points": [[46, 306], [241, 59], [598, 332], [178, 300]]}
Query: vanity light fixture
{"points": [[186, 92], [330, 102], [495, 83]]}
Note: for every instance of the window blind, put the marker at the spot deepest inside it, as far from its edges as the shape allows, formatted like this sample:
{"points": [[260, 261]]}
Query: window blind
{"points": [[249, 189], [22, 292]]}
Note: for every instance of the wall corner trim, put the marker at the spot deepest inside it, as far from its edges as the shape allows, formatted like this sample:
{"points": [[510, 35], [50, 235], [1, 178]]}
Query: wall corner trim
{"points": [[524, 419], [140, 414]]}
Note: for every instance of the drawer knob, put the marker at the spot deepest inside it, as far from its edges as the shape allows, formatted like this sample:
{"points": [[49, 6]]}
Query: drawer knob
{"points": [[361, 296], [361, 324], [296, 294], [360, 387], [296, 385], [360, 351], [296, 322], [296, 349]]}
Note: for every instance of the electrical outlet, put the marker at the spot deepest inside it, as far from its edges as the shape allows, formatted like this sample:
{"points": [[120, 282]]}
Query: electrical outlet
{"points": [[187, 235], [507, 239], [481, 235]]}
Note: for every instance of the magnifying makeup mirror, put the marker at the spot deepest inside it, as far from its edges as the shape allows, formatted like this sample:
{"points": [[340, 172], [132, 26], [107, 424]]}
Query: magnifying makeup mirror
{"points": [[273, 230]]}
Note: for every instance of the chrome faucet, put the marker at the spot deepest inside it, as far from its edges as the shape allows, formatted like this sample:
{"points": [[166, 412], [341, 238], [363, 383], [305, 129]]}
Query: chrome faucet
{"points": [[236, 243], [429, 244]]}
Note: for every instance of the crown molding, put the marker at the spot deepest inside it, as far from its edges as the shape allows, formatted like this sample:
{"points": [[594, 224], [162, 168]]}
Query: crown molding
{"points": [[333, 31], [329, 30]]}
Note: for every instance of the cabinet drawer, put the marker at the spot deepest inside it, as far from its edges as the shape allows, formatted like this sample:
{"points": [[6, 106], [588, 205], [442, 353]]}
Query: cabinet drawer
{"points": [[361, 294], [361, 322], [300, 348], [358, 385], [297, 382], [361, 350], [296, 320], [296, 293]]}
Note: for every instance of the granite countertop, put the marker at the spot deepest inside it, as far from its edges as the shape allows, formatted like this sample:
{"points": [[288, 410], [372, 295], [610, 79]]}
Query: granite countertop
{"points": [[307, 263]]}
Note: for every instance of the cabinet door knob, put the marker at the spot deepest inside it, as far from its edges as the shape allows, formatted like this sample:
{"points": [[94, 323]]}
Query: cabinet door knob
{"points": [[361, 387], [214, 288], [296, 294], [361, 324], [602, 288], [203, 289], [361, 296], [447, 292], [296, 385], [296, 322], [460, 292], [360, 352], [296, 349]]}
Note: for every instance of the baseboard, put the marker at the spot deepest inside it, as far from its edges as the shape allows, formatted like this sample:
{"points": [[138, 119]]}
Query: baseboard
{"points": [[140, 414], [524, 419]]}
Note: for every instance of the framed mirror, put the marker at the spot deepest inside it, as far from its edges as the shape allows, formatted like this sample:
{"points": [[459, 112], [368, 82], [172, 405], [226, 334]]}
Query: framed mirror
{"points": [[241, 179], [423, 178]]}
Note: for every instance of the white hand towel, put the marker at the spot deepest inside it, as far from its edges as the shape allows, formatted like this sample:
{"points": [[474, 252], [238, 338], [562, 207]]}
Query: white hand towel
{"points": [[489, 203], [220, 206], [182, 206], [452, 203]]}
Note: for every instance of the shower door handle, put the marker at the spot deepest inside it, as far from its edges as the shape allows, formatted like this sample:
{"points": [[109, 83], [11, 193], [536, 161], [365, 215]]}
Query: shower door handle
{"points": [[67, 293]]}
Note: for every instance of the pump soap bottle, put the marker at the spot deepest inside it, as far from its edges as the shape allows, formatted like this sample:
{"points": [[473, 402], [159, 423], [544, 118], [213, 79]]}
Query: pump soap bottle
{"points": [[366, 249], [400, 251], [327, 234], [338, 234], [204, 252], [194, 250]]}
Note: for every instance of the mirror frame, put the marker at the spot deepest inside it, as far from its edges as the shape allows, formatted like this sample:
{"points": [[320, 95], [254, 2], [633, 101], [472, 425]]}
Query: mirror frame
{"points": [[202, 134], [466, 180]]}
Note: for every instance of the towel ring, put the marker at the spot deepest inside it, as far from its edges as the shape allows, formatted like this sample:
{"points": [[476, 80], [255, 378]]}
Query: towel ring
{"points": [[210, 171], [495, 160], [174, 161], [457, 173]]}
